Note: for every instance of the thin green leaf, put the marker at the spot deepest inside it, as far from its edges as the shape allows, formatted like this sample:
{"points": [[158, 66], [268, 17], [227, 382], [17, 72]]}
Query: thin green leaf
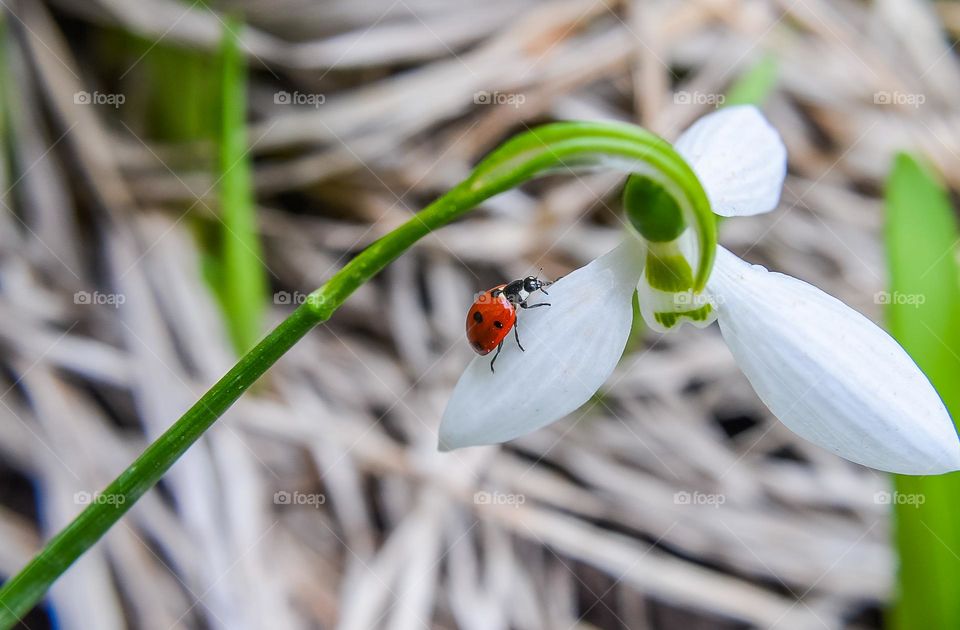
{"points": [[244, 287], [183, 105], [923, 308]]}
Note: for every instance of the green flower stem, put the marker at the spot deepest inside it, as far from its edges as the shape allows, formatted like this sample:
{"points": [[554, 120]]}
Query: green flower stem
{"points": [[554, 147]]}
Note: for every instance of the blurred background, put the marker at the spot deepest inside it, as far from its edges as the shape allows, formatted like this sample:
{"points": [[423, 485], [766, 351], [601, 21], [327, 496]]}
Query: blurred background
{"points": [[177, 176]]}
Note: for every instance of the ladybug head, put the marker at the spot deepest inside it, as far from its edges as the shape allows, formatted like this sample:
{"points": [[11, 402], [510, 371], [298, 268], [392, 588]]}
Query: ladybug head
{"points": [[533, 283]]}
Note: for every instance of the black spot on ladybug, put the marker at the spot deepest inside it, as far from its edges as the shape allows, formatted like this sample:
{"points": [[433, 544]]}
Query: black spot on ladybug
{"points": [[477, 345], [477, 317], [498, 324]]}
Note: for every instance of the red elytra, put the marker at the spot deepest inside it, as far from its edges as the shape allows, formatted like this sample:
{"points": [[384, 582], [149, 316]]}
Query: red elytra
{"points": [[494, 314], [490, 319]]}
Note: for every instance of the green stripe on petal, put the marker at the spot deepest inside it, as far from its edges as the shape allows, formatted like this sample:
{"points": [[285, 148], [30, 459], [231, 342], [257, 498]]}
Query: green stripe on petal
{"points": [[670, 272], [671, 319]]}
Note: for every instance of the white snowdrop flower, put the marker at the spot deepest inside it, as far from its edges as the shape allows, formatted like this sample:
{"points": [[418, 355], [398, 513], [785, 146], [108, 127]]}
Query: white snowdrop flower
{"points": [[827, 372]]}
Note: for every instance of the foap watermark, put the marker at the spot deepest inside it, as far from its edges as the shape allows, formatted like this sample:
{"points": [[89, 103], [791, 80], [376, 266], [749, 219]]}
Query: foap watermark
{"points": [[693, 300], [916, 499], [908, 299], [98, 98], [697, 97], [285, 497], [685, 497], [513, 99], [97, 298], [487, 297], [299, 98], [910, 99], [93, 498], [295, 298], [483, 497]]}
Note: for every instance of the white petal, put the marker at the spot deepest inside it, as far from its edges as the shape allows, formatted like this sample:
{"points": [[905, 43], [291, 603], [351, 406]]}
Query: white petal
{"points": [[830, 374], [571, 347], [739, 158]]}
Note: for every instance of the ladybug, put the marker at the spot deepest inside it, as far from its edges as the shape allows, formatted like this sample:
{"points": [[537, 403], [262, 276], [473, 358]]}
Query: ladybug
{"points": [[494, 313]]}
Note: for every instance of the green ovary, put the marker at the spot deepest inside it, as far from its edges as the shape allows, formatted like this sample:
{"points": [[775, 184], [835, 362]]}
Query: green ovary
{"points": [[652, 210]]}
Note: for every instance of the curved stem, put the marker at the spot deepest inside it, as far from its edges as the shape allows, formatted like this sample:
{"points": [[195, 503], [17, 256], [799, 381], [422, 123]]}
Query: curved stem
{"points": [[547, 148]]}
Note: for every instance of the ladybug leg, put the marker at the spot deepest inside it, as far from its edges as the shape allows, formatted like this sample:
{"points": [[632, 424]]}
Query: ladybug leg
{"points": [[525, 305], [499, 348], [516, 335]]}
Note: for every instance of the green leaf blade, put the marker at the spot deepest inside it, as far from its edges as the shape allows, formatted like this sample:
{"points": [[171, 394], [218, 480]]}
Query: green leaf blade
{"points": [[244, 289], [923, 309]]}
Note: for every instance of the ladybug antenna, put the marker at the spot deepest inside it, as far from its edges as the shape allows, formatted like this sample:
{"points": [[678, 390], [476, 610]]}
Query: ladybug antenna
{"points": [[543, 283]]}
